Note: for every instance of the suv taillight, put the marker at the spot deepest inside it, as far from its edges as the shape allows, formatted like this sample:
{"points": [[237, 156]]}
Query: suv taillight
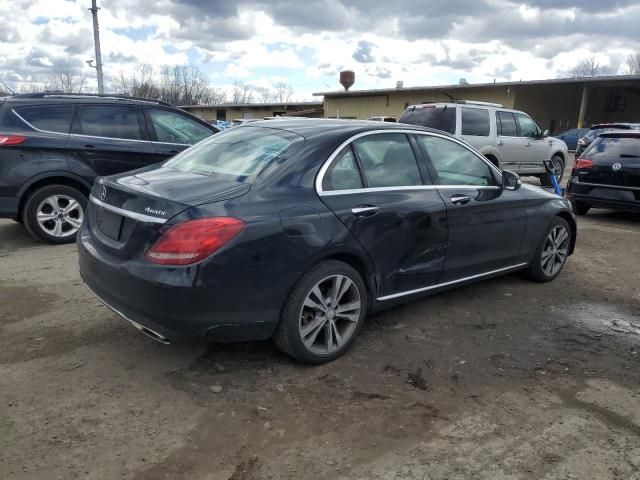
{"points": [[6, 140], [194, 240], [583, 163]]}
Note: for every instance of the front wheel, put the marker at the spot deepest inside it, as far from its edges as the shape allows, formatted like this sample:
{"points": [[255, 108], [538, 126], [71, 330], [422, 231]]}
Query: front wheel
{"points": [[552, 252], [558, 171], [53, 214], [323, 313]]}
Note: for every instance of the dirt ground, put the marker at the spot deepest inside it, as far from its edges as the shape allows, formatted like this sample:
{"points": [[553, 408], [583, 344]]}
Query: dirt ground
{"points": [[504, 379]]}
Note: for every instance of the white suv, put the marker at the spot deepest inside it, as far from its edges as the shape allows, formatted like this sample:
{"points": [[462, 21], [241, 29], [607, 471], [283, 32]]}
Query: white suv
{"points": [[508, 138]]}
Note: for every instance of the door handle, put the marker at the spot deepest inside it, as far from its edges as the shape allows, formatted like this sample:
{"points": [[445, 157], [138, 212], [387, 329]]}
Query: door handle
{"points": [[500, 143], [528, 144], [365, 210], [90, 147], [460, 199]]}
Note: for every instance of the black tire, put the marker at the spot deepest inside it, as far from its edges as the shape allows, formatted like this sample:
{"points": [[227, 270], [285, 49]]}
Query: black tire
{"points": [[580, 208], [30, 213], [535, 270], [545, 178], [288, 336]]}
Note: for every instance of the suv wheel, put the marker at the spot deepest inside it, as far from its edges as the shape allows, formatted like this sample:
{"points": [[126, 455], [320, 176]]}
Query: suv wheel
{"points": [[323, 314], [558, 171], [54, 213]]}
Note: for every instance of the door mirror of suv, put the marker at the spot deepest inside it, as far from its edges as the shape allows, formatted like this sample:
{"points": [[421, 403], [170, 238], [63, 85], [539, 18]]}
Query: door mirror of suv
{"points": [[544, 134], [510, 180]]}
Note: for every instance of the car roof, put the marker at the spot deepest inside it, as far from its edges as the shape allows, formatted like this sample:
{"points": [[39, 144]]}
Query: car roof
{"points": [[313, 127], [621, 125], [621, 134]]}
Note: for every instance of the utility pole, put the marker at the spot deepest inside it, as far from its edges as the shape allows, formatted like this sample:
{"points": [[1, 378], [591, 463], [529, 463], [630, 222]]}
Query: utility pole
{"points": [[96, 40]]}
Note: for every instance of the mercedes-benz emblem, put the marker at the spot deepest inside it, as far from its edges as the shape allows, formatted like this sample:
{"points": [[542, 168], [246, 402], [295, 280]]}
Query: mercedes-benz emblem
{"points": [[103, 193], [616, 167]]}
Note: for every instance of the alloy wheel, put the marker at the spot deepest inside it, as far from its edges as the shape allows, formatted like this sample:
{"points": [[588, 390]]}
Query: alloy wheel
{"points": [[60, 215], [329, 314], [555, 250]]}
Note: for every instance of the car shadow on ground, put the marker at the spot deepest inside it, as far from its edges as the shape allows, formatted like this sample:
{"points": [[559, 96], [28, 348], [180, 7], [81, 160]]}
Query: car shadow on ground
{"points": [[14, 235], [613, 217]]}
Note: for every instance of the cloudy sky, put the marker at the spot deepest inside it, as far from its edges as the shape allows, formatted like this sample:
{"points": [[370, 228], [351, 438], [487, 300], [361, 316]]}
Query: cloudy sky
{"points": [[307, 42]]}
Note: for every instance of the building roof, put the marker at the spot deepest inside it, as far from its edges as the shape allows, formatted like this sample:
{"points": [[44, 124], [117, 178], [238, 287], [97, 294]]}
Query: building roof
{"points": [[461, 86], [258, 105]]}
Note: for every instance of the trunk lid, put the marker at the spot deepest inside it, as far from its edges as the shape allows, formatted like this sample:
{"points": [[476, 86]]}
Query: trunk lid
{"points": [[128, 211]]}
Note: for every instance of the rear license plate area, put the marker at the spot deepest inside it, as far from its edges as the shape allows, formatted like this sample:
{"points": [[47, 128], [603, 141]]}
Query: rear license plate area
{"points": [[109, 223]]}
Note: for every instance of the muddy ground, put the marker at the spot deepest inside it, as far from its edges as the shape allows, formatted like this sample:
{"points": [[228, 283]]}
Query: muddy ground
{"points": [[504, 379]]}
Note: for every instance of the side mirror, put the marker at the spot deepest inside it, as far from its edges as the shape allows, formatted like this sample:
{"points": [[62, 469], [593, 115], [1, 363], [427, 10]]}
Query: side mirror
{"points": [[545, 134], [510, 180]]}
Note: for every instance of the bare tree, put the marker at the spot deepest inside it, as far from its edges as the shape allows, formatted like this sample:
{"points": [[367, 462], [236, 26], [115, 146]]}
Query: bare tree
{"points": [[177, 84], [65, 80], [242, 93], [590, 67], [264, 94], [282, 92], [215, 96], [140, 83], [633, 64]]}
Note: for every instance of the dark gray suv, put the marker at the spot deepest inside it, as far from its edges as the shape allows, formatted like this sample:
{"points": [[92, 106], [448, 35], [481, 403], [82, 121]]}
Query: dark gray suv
{"points": [[53, 146]]}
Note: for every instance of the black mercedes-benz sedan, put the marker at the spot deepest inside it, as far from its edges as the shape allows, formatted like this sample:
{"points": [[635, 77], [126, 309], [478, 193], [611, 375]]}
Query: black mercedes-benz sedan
{"points": [[297, 229], [607, 175]]}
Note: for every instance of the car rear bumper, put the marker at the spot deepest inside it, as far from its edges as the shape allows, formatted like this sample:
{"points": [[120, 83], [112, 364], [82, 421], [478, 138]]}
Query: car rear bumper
{"points": [[173, 303], [603, 196]]}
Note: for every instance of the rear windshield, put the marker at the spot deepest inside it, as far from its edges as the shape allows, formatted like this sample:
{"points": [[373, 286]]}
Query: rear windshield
{"points": [[241, 152], [614, 147], [440, 118]]}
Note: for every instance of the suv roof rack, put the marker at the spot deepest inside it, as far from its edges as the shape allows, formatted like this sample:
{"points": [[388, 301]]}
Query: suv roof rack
{"points": [[477, 102], [468, 102], [113, 96]]}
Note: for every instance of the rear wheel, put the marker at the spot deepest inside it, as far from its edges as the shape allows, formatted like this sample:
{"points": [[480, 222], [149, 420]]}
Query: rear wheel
{"points": [[54, 213], [558, 170], [580, 208], [552, 252], [323, 313]]}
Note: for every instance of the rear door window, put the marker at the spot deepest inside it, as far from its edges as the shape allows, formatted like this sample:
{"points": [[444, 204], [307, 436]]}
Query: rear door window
{"points": [[343, 174], [506, 124], [475, 121], [110, 121], [387, 160], [440, 118], [173, 127], [52, 118]]}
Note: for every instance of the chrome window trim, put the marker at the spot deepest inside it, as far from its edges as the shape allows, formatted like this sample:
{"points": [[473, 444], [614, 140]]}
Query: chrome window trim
{"points": [[452, 282], [327, 164], [126, 213], [96, 136], [405, 188], [38, 129]]}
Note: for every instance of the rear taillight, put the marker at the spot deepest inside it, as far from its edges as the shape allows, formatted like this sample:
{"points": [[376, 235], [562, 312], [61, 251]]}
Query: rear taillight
{"points": [[583, 163], [194, 240], [6, 140]]}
